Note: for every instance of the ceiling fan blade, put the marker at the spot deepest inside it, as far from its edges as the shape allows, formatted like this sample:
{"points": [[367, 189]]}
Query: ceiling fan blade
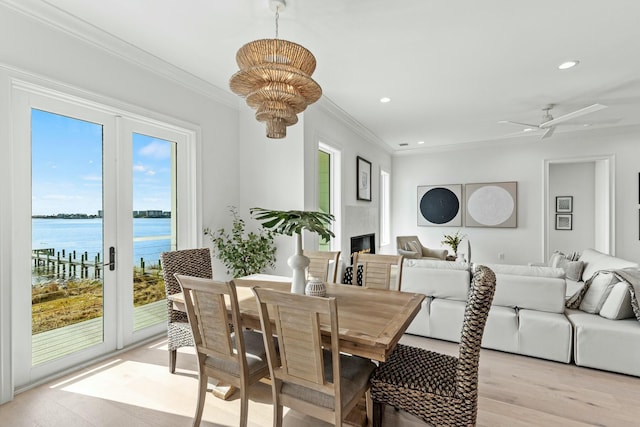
{"points": [[529, 125], [548, 132], [581, 112]]}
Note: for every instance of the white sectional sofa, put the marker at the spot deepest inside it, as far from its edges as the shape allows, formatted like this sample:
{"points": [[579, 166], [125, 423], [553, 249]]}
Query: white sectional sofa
{"points": [[528, 314]]}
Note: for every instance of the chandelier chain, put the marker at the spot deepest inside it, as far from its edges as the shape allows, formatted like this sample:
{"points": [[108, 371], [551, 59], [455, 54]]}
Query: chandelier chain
{"points": [[277, 17]]}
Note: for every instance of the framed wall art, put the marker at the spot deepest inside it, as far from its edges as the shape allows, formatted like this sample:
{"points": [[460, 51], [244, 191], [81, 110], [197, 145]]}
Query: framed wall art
{"points": [[564, 204], [564, 222], [493, 204], [440, 205], [363, 172]]}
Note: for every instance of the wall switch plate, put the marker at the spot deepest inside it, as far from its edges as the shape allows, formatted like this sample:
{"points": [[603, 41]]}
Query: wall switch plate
{"points": [[501, 256]]}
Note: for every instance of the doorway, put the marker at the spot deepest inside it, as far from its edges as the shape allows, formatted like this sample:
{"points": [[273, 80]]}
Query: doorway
{"points": [[587, 187]]}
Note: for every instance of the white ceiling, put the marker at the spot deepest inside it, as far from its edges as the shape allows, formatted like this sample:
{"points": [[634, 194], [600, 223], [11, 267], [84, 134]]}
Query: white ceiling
{"points": [[453, 69]]}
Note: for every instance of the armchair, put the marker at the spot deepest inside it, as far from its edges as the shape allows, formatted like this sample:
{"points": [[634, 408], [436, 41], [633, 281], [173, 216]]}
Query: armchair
{"points": [[410, 247]]}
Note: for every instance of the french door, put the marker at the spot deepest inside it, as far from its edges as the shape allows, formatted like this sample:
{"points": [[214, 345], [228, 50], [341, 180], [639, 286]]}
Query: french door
{"points": [[102, 198]]}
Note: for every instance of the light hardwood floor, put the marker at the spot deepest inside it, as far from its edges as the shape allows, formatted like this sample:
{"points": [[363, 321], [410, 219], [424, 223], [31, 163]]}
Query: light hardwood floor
{"points": [[136, 389]]}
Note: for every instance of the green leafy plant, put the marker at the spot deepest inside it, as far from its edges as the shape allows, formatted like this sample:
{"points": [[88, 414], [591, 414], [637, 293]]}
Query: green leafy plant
{"points": [[453, 240], [293, 222], [243, 254]]}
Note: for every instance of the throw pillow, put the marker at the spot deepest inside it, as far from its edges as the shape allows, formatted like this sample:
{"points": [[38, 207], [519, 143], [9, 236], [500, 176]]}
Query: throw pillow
{"points": [[569, 263], [572, 269], [414, 246], [618, 303], [409, 254], [554, 258], [596, 294]]}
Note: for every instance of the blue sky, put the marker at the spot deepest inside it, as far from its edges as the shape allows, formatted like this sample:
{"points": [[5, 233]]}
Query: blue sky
{"points": [[67, 167]]}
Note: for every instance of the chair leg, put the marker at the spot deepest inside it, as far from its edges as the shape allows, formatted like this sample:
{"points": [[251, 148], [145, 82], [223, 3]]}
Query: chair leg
{"points": [[172, 361], [203, 380], [378, 411], [244, 406], [277, 415]]}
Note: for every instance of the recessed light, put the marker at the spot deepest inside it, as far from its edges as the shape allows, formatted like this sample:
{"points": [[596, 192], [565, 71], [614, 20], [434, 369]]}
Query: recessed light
{"points": [[568, 64], [420, 142], [527, 130], [385, 99]]}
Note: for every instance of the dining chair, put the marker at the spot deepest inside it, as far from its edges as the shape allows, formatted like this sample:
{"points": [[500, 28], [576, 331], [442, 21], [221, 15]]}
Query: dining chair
{"points": [[437, 388], [377, 270], [320, 265], [238, 359], [319, 382], [190, 262]]}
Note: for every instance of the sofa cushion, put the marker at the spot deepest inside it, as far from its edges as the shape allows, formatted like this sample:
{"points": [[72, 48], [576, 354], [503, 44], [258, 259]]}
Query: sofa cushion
{"points": [[532, 287], [545, 335], [617, 306], [597, 292], [601, 343], [440, 279], [527, 270], [596, 261]]}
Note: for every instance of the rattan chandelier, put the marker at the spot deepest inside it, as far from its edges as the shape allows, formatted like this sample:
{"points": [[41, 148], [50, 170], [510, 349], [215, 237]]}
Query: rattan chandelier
{"points": [[275, 78]]}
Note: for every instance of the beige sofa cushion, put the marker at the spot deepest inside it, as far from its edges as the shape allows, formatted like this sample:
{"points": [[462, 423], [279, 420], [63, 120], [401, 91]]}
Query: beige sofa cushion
{"points": [[596, 261]]}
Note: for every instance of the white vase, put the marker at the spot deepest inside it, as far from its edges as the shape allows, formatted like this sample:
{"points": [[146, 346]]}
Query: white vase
{"points": [[298, 264]]}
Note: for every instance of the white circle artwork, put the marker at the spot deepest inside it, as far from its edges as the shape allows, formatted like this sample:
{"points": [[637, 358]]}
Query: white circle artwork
{"points": [[490, 205]]}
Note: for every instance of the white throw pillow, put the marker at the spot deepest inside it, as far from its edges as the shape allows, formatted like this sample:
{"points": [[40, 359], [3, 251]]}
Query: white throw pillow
{"points": [[618, 303], [598, 291], [572, 268]]}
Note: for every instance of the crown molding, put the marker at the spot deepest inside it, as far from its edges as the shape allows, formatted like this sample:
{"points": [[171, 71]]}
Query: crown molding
{"points": [[50, 15], [328, 106]]}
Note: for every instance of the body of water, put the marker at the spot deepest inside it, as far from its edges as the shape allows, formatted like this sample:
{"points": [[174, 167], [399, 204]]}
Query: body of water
{"points": [[85, 235]]}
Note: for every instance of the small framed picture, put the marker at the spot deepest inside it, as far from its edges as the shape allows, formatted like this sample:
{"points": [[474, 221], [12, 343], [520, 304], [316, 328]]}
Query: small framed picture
{"points": [[564, 222], [363, 169], [564, 204]]}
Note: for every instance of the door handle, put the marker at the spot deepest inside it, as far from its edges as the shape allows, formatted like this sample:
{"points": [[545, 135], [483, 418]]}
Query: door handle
{"points": [[112, 258]]}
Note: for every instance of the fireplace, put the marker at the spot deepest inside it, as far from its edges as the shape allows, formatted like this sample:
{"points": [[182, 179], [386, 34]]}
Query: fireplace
{"points": [[364, 244]]}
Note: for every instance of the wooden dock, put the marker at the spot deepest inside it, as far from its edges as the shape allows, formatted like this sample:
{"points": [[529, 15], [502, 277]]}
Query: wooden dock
{"points": [[62, 264]]}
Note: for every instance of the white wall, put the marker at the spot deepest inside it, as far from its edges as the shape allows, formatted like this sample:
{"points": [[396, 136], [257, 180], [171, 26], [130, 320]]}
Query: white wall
{"points": [[323, 123], [576, 180], [271, 176], [520, 160]]}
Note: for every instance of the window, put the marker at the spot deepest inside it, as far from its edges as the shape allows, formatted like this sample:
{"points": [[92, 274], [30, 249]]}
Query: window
{"points": [[329, 191]]}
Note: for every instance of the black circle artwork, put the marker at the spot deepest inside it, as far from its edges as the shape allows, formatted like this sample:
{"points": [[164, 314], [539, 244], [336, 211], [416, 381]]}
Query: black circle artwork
{"points": [[439, 205]]}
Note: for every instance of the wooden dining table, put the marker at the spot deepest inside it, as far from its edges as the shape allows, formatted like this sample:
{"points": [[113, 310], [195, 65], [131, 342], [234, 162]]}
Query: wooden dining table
{"points": [[371, 321]]}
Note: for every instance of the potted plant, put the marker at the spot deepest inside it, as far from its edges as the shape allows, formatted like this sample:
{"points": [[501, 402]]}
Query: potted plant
{"points": [[453, 241], [293, 222], [243, 254]]}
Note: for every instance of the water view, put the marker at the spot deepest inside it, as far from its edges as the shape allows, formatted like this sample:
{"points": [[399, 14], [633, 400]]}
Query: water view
{"points": [[151, 236]]}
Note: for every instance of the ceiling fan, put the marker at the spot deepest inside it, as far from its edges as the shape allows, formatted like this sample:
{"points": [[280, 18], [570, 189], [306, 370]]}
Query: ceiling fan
{"points": [[549, 123]]}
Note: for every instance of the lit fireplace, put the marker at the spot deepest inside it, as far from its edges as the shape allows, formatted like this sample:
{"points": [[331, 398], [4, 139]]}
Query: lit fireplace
{"points": [[364, 244]]}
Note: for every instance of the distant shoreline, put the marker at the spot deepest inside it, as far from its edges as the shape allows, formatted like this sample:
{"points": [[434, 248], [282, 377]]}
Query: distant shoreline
{"points": [[136, 214]]}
